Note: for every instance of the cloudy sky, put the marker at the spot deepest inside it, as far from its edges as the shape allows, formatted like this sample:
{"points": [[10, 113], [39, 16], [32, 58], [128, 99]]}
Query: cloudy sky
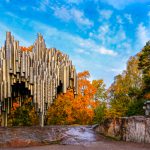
{"points": [[98, 35]]}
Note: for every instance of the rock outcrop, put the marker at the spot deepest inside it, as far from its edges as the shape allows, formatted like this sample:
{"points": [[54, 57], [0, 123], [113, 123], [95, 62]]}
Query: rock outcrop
{"points": [[135, 129]]}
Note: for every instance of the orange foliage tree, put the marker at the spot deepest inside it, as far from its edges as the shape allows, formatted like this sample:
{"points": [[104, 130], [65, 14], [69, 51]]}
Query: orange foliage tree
{"points": [[68, 109], [26, 48]]}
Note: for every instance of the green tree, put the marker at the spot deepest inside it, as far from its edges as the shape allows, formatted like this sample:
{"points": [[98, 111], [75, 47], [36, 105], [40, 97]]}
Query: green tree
{"points": [[127, 89], [135, 107], [100, 112], [144, 65], [100, 90]]}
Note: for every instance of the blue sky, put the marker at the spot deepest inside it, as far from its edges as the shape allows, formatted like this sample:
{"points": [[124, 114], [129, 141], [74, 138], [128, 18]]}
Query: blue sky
{"points": [[98, 35]]}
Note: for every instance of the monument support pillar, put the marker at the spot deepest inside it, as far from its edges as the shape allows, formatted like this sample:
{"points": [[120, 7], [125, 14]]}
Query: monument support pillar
{"points": [[41, 119], [4, 119]]}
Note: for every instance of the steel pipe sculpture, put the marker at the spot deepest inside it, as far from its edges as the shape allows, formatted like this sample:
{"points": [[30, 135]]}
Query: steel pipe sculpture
{"points": [[43, 72]]}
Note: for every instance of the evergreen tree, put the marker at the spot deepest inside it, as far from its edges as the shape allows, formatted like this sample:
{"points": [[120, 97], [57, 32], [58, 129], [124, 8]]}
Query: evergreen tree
{"points": [[144, 65]]}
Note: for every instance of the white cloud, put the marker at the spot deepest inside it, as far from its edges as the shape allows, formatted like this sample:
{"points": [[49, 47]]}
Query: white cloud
{"points": [[103, 33], [72, 14], [104, 28], [119, 20], [62, 13], [143, 34], [148, 14], [76, 43], [117, 70], [91, 34], [103, 50], [105, 14], [82, 51], [108, 34], [113, 37], [80, 18], [121, 4], [118, 4], [43, 4], [129, 18], [74, 1]]}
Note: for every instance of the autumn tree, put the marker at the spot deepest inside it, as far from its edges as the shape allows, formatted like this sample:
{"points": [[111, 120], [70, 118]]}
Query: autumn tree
{"points": [[86, 99], [23, 115], [68, 109], [26, 48], [61, 111]]}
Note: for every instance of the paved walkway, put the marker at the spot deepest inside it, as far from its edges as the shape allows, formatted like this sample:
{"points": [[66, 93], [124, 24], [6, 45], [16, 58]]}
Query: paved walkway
{"points": [[72, 138], [101, 145]]}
